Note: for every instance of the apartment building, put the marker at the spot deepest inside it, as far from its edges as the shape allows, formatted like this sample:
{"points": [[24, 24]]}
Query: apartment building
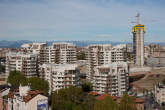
{"points": [[160, 93], [62, 53], [102, 54], [111, 78], [26, 99], [60, 75], [38, 48], [25, 63], [58, 52]]}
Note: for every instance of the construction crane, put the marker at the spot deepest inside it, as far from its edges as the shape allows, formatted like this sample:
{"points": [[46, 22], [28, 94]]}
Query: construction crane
{"points": [[138, 19]]}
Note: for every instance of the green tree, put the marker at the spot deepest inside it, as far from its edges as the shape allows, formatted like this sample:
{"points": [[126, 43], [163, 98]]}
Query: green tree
{"points": [[16, 78], [107, 104], [37, 83], [82, 56], [163, 81], [67, 98], [89, 102], [87, 86], [127, 103]]}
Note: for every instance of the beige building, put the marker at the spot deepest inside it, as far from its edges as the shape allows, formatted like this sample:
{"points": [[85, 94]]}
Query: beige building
{"points": [[26, 99]]}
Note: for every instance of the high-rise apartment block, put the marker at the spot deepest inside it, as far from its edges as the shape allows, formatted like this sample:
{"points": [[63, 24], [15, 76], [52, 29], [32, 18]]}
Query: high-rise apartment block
{"points": [[102, 54], [25, 63], [58, 53], [60, 75], [138, 43], [111, 78], [62, 53]]}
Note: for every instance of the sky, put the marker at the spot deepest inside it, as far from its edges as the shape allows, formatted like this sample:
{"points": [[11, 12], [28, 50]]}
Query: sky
{"points": [[105, 20]]}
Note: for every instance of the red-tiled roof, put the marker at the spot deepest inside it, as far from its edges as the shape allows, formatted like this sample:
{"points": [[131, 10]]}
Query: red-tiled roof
{"points": [[31, 94], [103, 96], [11, 95], [118, 99], [93, 93], [139, 100]]}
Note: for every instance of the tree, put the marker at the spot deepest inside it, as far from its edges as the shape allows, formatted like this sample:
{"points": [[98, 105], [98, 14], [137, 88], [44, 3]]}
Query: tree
{"points": [[39, 84], [82, 56], [127, 103], [107, 104], [87, 86], [16, 78], [89, 102], [67, 98], [163, 81]]}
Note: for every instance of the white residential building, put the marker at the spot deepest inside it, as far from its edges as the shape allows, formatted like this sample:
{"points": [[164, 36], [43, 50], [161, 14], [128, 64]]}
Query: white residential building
{"points": [[25, 63], [160, 93], [62, 53], [60, 75], [26, 99], [111, 78], [102, 54], [38, 48], [58, 52]]}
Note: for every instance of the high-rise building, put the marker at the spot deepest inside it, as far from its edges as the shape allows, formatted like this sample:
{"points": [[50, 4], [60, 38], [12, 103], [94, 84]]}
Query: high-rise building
{"points": [[62, 53], [111, 78], [138, 43], [60, 75], [38, 48], [102, 54], [25, 63], [58, 53]]}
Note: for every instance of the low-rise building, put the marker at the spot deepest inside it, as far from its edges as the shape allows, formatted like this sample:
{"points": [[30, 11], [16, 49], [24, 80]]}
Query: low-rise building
{"points": [[160, 93], [60, 75], [26, 99], [111, 78]]}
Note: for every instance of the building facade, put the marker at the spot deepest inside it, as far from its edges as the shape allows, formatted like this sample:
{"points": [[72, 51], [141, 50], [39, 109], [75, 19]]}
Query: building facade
{"points": [[111, 78], [60, 75], [160, 93], [98, 55], [25, 63], [26, 99], [138, 42], [58, 53]]}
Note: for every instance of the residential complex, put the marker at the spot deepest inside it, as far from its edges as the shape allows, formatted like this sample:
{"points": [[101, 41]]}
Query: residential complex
{"points": [[60, 75], [37, 48], [23, 62], [62, 53], [98, 55], [58, 52], [111, 78]]}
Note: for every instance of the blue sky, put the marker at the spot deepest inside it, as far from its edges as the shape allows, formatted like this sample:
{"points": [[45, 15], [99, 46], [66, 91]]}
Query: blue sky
{"points": [[46, 20]]}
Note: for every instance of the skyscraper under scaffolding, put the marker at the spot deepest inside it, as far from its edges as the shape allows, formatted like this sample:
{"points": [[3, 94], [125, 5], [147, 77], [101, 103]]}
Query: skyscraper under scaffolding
{"points": [[138, 42]]}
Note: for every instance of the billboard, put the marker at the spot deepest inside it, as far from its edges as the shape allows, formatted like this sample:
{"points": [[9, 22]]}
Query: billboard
{"points": [[42, 105]]}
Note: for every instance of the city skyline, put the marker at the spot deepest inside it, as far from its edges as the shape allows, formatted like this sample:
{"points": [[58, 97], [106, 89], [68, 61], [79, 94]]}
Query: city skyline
{"points": [[46, 20]]}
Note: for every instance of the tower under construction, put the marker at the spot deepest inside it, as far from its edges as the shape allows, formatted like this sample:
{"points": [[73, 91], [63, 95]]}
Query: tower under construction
{"points": [[138, 42]]}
